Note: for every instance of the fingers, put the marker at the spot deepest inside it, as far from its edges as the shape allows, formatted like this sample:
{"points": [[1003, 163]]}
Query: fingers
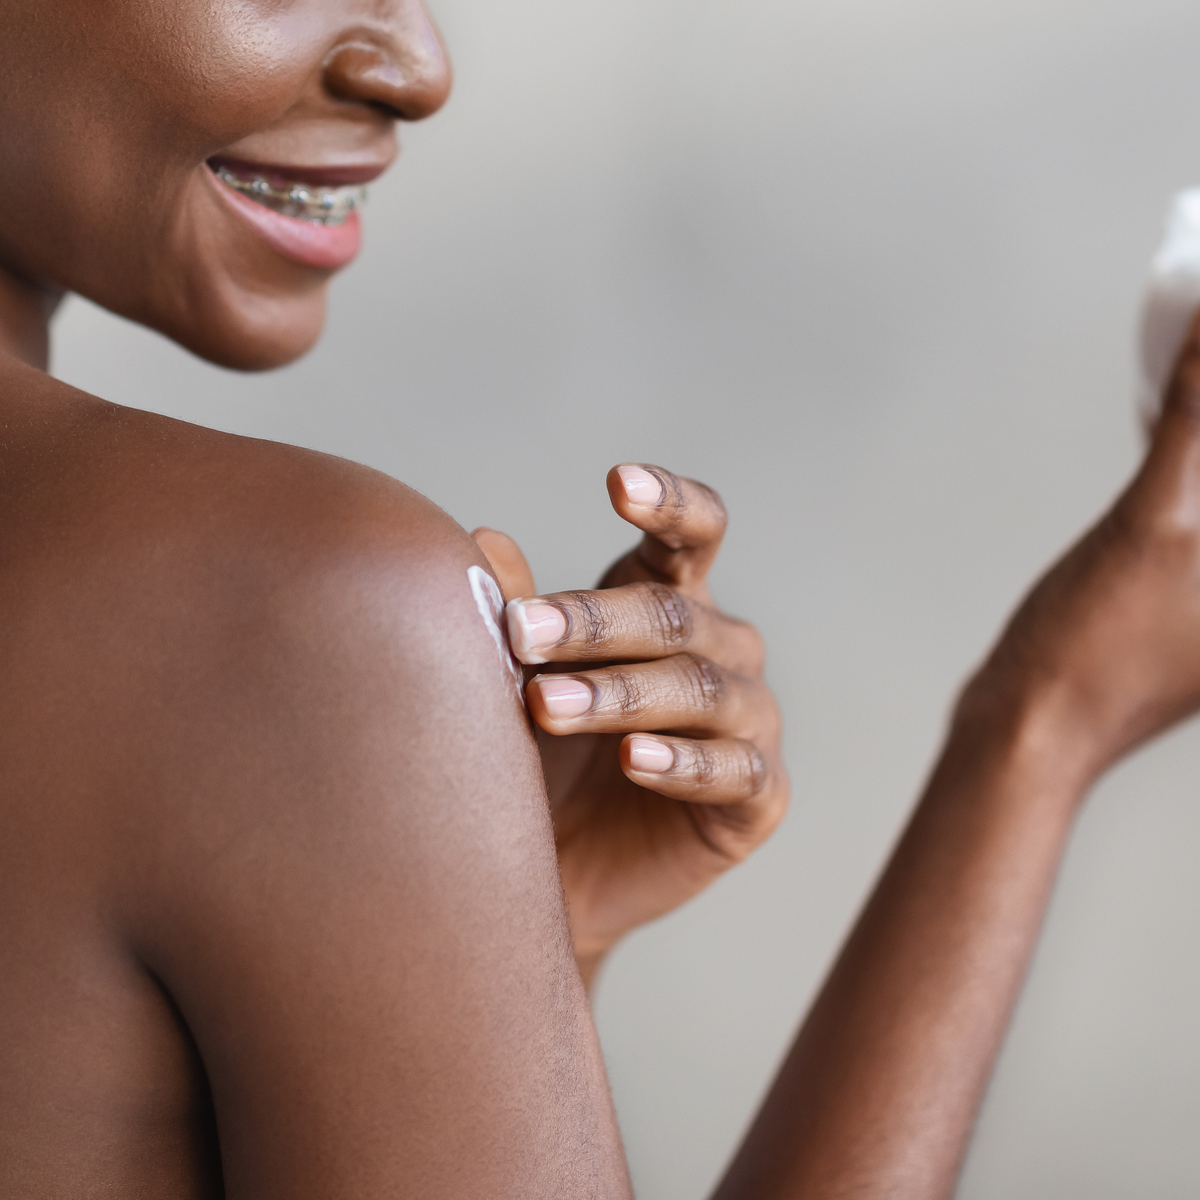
{"points": [[740, 793], [685, 693], [1182, 396], [1179, 422], [683, 521], [508, 563], [720, 771], [734, 771], [1164, 496], [637, 621]]}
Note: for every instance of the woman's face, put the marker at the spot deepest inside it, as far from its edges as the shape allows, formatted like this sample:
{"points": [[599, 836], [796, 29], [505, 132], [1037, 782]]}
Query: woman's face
{"points": [[193, 164]]}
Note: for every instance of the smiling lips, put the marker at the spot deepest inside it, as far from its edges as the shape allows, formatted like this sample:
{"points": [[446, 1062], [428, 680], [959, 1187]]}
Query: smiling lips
{"points": [[309, 215]]}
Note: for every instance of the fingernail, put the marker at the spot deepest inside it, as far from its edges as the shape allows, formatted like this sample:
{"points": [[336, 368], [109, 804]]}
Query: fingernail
{"points": [[534, 627], [641, 488], [650, 756], [564, 697]]}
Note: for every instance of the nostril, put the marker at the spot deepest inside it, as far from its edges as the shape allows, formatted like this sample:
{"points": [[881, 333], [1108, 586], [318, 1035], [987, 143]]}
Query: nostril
{"points": [[406, 87], [388, 111]]}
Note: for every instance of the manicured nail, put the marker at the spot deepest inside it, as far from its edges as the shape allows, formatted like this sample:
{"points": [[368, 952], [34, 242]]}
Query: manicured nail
{"points": [[650, 756], [564, 697], [533, 627], [641, 488]]}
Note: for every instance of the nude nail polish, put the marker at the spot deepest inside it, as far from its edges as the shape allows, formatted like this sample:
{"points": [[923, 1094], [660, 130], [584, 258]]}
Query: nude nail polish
{"points": [[650, 756], [564, 697], [641, 488], [533, 627]]}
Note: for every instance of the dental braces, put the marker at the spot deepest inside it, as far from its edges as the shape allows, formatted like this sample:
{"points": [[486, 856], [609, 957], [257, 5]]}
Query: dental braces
{"points": [[323, 206]]}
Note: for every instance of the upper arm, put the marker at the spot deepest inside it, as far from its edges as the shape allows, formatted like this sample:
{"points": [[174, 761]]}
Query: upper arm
{"points": [[357, 907]]}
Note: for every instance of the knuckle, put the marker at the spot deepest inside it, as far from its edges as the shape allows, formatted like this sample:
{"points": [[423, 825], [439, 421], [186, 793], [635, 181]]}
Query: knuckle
{"points": [[701, 515], [703, 766], [757, 641], [719, 515], [595, 624], [755, 651], [703, 681], [626, 693], [669, 614], [695, 512], [754, 771], [773, 805], [772, 717], [674, 505]]}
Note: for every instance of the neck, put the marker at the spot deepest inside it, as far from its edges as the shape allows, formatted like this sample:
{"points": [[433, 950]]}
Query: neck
{"points": [[25, 312]]}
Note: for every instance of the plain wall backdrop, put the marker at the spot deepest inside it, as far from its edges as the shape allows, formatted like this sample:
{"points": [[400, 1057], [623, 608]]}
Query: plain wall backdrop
{"points": [[870, 267]]}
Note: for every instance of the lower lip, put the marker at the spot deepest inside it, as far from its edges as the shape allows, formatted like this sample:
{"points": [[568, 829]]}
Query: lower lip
{"points": [[325, 246]]}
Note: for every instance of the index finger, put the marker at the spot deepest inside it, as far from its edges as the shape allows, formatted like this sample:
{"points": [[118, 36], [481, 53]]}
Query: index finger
{"points": [[683, 522], [630, 623]]}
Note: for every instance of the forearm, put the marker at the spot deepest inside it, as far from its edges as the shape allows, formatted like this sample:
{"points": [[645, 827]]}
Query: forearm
{"points": [[878, 1094]]}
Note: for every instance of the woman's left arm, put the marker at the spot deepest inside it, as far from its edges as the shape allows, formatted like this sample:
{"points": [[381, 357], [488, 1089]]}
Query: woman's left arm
{"points": [[662, 758], [879, 1093]]}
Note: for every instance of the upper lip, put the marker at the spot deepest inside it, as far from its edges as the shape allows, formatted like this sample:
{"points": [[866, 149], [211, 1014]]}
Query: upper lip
{"points": [[343, 175]]}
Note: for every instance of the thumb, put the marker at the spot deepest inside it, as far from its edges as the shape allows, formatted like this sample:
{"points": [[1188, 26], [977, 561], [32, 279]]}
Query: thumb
{"points": [[1182, 396], [507, 562], [1169, 480]]}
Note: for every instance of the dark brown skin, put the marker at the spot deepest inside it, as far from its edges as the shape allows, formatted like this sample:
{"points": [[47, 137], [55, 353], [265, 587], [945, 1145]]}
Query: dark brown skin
{"points": [[632, 844], [880, 1091], [111, 111], [281, 912], [279, 872], [239, 828]]}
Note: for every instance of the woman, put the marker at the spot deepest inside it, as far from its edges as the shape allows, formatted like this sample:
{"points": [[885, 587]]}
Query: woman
{"points": [[282, 909], [278, 863]]}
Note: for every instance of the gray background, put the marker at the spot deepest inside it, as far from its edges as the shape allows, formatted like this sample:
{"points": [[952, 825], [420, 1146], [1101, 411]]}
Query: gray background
{"points": [[871, 268]]}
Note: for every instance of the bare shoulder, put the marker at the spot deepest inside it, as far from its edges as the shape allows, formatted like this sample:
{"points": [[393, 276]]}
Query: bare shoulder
{"points": [[205, 607], [215, 617], [72, 462], [154, 518], [260, 748]]}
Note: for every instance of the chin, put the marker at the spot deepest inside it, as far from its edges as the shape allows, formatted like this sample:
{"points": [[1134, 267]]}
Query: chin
{"points": [[258, 334]]}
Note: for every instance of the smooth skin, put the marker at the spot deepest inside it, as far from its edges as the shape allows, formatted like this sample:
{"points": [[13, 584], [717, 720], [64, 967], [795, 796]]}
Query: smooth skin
{"points": [[278, 874], [282, 912], [282, 909]]}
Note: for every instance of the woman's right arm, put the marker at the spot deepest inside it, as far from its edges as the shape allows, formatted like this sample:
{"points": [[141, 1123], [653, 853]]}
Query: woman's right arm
{"points": [[879, 1093]]}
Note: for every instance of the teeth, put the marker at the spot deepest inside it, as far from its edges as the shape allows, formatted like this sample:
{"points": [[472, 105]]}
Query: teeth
{"points": [[322, 206]]}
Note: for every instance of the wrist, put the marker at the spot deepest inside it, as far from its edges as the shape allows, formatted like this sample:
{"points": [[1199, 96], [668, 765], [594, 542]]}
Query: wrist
{"points": [[1035, 732]]}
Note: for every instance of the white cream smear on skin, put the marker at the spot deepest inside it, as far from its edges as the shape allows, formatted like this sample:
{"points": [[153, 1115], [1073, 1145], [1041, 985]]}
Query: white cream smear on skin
{"points": [[490, 604]]}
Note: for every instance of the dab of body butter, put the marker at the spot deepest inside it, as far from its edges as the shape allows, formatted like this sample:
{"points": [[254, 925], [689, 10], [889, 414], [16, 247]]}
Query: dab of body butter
{"points": [[490, 604]]}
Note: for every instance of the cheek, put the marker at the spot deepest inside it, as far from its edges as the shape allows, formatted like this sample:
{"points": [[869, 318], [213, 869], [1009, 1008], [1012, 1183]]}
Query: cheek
{"points": [[108, 123], [214, 72], [143, 89]]}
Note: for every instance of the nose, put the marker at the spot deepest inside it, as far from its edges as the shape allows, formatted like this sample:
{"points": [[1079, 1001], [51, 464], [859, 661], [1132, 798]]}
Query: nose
{"points": [[407, 73]]}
